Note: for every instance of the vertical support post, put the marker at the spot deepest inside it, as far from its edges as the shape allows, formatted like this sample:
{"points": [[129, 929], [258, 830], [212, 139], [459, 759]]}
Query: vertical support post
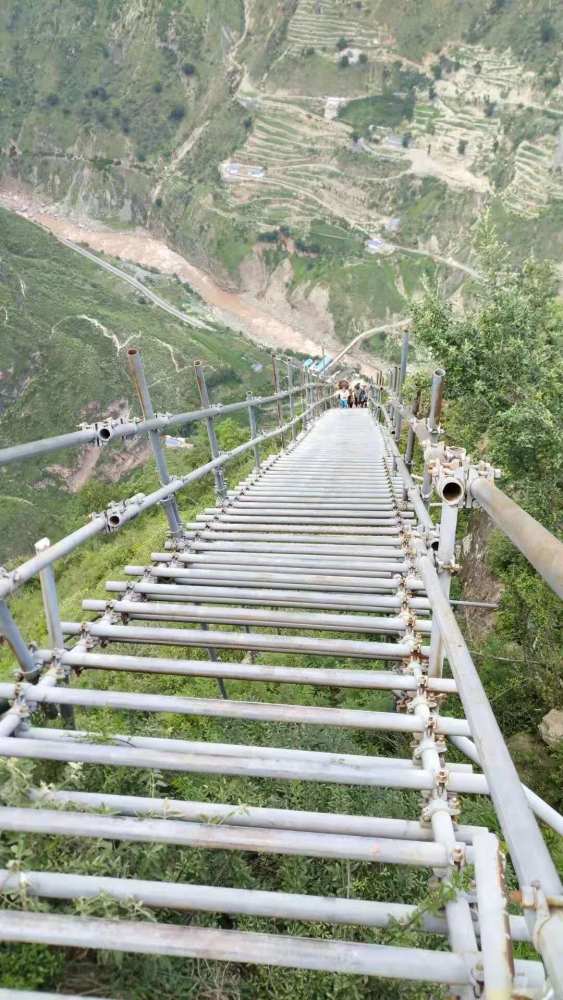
{"points": [[15, 640], [445, 556], [214, 657], [53, 619], [436, 400], [306, 397], [50, 599], [220, 484], [434, 427], [392, 375], [401, 381], [496, 942], [411, 439], [277, 390], [253, 431], [137, 372], [291, 398]]}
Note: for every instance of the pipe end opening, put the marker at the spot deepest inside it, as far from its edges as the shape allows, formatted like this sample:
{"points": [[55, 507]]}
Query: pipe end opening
{"points": [[452, 492]]}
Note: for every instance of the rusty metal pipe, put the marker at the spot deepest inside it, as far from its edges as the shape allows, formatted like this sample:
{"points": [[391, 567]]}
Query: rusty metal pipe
{"points": [[542, 549]]}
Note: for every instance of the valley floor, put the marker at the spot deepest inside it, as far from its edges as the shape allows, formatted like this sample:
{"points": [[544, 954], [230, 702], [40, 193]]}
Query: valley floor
{"points": [[239, 311]]}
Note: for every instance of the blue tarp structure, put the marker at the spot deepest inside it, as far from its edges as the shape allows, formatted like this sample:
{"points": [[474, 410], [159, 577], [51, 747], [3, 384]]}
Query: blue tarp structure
{"points": [[323, 364]]}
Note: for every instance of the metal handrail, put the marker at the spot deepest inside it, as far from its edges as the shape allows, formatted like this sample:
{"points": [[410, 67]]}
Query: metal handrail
{"points": [[105, 431], [542, 549], [116, 515]]}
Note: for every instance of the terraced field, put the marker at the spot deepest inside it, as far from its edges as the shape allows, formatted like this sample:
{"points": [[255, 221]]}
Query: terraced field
{"points": [[321, 23], [299, 151], [494, 73], [538, 180], [300, 163], [449, 127]]}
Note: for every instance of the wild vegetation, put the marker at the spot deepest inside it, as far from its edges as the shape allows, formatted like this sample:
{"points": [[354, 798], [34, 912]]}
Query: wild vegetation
{"points": [[503, 357]]}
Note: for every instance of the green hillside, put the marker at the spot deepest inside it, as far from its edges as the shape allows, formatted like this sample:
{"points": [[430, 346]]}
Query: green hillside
{"points": [[131, 114], [64, 324]]}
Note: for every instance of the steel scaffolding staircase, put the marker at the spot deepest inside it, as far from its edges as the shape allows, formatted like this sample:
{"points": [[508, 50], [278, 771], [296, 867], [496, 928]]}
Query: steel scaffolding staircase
{"points": [[325, 552]]}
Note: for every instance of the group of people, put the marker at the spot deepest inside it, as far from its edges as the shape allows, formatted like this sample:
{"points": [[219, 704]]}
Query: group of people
{"points": [[350, 396]]}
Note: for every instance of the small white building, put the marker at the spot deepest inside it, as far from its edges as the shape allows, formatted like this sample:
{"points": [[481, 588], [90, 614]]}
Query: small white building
{"points": [[375, 245]]}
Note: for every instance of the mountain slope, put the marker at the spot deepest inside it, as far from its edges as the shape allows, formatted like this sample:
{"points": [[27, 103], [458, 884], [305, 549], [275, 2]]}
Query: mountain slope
{"points": [[269, 140], [64, 328]]}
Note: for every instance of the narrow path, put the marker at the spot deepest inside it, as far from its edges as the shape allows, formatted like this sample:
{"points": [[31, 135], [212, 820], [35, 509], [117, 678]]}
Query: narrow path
{"points": [[138, 285]]}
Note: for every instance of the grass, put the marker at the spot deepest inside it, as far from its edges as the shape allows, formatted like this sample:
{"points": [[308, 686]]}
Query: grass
{"points": [[380, 110], [318, 76]]}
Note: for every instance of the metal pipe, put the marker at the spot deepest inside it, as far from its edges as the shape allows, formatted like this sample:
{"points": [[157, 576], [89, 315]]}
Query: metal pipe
{"points": [[241, 521], [218, 556], [15, 640], [436, 399], [114, 518], [208, 542], [63, 748], [53, 619], [220, 484], [277, 390], [164, 611], [233, 946], [496, 944], [413, 494], [229, 814], [433, 424], [542, 549], [445, 556], [13, 994], [542, 809], [291, 398], [411, 438], [402, 373], [347, 536], [236, 640], [378, 680], [302, 581], [104, 431], [170, 504], [528, 850], [211, 899], [269, 598], [213, 836], [232, 751], [253, 430], [221, 709]]}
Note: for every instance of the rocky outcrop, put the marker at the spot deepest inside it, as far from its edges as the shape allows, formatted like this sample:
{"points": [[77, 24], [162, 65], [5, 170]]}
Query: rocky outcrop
{"points": [[551, 727]]}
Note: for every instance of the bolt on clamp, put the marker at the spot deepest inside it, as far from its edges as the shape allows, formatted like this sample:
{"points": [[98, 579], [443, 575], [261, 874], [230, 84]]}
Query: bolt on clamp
{"points": [[458, 856], [450, 567], [105, 429], [20, 706]]}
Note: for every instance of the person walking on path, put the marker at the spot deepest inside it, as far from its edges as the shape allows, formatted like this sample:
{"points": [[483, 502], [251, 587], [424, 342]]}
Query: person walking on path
{"points": [[343, 398]]}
